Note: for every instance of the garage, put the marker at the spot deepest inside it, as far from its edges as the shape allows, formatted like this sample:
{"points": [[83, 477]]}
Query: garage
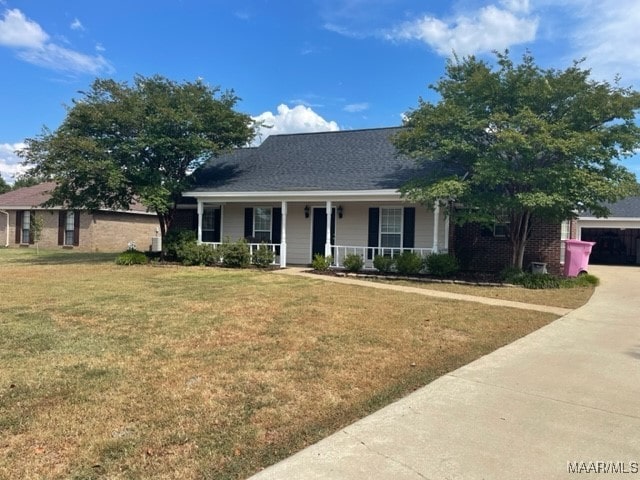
{"points": [[617, 237]]}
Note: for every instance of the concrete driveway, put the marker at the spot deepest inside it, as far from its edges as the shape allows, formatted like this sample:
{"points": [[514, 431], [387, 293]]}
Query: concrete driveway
{"points": [[563, 402]]}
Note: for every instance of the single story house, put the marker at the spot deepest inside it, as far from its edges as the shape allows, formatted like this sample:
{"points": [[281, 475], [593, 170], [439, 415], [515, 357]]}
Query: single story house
{"points": [[102, 230], [336, 193], [617, 237]]}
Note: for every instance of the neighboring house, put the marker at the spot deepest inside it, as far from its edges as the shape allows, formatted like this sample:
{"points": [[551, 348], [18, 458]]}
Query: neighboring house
{"points": [[102, 230], [617, 237], [333, 193]]}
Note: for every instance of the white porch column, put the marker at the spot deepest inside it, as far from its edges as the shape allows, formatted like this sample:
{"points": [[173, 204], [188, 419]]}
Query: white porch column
{"points": [[200, 211], [436, 224], [283, 237], [327, 242], [446, 232]]}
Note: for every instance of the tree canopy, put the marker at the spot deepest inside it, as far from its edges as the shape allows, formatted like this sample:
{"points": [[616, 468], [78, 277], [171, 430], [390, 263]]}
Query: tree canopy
{"points": [[516, 141], [4, 186], [122, 143]]}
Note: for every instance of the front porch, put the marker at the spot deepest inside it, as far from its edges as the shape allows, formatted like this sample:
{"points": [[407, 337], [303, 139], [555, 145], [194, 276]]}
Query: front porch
{"points": [[298, 229]]}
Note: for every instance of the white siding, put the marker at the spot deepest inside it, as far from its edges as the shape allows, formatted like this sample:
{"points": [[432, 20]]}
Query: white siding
{"points": [[298, 235]]}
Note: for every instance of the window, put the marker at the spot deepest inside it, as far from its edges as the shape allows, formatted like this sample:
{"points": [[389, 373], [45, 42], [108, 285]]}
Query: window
{"points": [[208, 224], [500, 230], [69, 229], [26, 227], [565, 233], [391, 227], [262, 224]]}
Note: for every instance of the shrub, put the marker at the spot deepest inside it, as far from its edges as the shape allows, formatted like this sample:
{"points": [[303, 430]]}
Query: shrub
{"points": [[236, 254], [511, 275], [383, 264], [441, 264], [583, 280], [408, 263], [321, 263], [131, 257], [353, 262], [263, 256], [190, 253], [176, 239]]}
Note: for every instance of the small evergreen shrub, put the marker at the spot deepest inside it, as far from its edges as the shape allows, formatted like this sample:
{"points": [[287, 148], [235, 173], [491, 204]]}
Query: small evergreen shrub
{"points": [[263, 256], [321, 263], [441, 264], [353, 262], [383, 264], [511, 275], [236, 254], [190, 253], [176, 239], [132, 257], [408, 263], [585, 280]]}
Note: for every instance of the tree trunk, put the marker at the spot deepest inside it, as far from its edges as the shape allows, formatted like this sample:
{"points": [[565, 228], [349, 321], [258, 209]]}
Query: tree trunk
{"points": [[518, 234]]}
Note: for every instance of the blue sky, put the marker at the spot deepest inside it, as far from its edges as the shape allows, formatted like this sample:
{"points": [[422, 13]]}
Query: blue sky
{"points": [[297, 65]]}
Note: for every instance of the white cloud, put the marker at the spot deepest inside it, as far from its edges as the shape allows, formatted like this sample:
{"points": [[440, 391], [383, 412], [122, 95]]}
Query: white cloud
{"points": [[17, 31], [34, 46], [9, 161], [299, 119], [76, 25], [356, 107], [607, 33], [490, 28]]}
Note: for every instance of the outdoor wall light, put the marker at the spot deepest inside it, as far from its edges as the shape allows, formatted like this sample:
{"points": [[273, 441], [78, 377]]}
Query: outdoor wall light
{"points": [[306, 211], [340, 211]]}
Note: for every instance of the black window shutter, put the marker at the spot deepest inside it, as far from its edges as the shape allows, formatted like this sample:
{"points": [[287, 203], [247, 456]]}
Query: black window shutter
{"points": [[62, 217], [409, 227], [19, 214], [374, 228], [76, 228], [32, 217], [217, 224], [276, 225], [248, 222]]}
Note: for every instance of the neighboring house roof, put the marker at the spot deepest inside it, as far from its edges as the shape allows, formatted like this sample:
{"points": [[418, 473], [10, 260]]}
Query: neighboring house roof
{"points": [[346, 160], [626, 208], [35, 196]]}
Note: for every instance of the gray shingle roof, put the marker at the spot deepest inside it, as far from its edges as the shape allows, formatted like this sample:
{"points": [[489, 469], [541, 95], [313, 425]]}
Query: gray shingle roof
{"points": [[341, 161], [627, 207]]}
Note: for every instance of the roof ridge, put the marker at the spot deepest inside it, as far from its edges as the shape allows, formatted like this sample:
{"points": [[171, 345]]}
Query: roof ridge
{"points": [[354, 130]]}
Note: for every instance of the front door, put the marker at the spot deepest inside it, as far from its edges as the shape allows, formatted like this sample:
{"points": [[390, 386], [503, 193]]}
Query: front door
{"points": [[319, 233]]}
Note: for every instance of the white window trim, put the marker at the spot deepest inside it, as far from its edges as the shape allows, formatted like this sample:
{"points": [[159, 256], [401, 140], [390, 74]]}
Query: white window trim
{"points": [[565, 229], [255, 211], [401, 225], [212, 208], [65, 243]]}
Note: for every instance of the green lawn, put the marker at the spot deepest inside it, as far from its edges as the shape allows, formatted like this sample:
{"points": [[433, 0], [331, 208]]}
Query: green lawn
{"points": [[189, 373]]}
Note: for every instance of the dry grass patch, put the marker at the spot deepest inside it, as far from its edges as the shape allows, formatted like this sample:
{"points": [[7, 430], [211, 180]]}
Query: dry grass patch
{"points": [[170, 372], [554, 297]]}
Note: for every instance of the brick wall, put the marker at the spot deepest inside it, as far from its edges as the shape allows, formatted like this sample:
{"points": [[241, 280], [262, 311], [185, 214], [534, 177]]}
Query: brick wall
{"points": [[478, 250], [99, 232]]}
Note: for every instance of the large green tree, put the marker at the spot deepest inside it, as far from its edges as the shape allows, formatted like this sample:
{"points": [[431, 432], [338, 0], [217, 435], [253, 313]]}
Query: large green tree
{"points": [[122, 143], [511, 142], [4, 186]]}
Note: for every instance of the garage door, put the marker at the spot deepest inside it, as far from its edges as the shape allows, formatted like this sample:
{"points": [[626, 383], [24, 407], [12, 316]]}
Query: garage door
{"points": [[614, 246]]}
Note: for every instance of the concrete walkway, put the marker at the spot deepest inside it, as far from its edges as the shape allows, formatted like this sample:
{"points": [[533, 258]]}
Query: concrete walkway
{"points": [[304, 272], [565, 398]]}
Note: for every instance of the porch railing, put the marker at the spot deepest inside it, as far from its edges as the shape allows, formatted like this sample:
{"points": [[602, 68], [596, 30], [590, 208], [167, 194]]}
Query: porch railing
{"points": [[253, 247], [369, 253]]}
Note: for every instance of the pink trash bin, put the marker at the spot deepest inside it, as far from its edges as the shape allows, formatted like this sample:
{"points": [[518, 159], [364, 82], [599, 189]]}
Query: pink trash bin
{"points": [[576, 257]]}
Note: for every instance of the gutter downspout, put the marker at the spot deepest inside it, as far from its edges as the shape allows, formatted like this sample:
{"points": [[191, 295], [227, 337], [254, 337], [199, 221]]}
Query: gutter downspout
{"points": [[7, 214]]}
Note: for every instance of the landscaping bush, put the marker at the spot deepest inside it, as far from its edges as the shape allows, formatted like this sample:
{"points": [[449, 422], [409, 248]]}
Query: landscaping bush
{"points": [[321, 263], [263, 256], [408, 263], [132, 257], [353, 262], [441, 264], [511, 274], [383, 264], [585, 280], [190, 253], [176, 239], [236, 254]]}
